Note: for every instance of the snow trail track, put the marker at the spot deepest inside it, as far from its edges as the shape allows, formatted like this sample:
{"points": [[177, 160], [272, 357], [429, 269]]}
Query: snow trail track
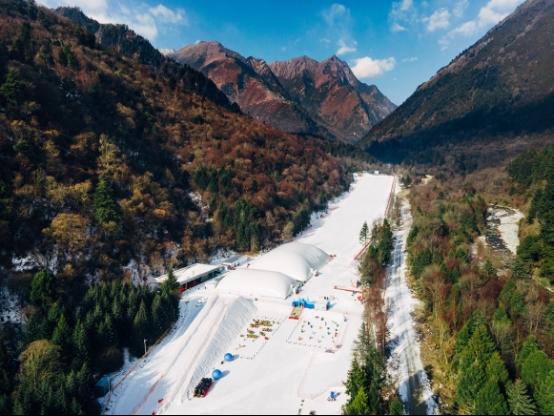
{"points": [[404, 364]]}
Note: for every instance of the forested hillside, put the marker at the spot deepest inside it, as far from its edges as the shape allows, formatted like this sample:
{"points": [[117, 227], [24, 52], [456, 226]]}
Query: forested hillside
{"points": [[489, 325], [492, 98], [107, 160], [116, 163], [533, 175]]}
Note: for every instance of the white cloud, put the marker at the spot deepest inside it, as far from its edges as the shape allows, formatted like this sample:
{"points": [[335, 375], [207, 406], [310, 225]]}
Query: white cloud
{"points": [[489, 15], [367, 67], [440, 19], [335, 14], [146, 20], [397, 27], [165, 14], [460, 8], [166, 51], [345, 48], [402, 13], [92, 7], [338, 29], [406, 5]]}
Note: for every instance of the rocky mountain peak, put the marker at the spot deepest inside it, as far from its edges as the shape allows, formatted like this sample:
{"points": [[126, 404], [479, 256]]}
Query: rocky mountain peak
{"points": [[301, 95]]}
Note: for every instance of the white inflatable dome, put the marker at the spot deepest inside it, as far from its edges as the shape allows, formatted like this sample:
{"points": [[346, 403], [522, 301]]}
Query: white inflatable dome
{"points": [[256, 283], [296, 260]]}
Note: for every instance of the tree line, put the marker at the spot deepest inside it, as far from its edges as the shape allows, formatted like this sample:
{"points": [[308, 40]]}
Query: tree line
{"points": [[69, 341], [366, 385], [483, 315]]}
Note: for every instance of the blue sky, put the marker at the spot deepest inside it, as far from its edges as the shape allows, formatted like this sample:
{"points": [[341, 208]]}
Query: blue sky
{"points": [[396, 45]]}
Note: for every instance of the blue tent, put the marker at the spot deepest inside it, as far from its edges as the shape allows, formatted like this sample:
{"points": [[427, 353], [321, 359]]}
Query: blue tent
{"points": [[229, 357], [304, 303], [217, 374]]}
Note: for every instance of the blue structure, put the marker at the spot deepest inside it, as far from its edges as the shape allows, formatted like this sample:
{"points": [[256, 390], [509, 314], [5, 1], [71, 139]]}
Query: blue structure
{"points": [[229, 357], [102, 387], [217, 374], [304, 303]]}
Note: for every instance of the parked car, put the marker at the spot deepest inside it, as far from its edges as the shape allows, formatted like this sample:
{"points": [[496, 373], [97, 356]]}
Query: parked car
{"points": [[203, 388]]}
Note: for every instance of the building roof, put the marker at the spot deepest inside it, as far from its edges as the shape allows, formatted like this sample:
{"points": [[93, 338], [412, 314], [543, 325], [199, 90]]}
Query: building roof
{"points": [[256, 283], [190, 273], [296, 260]]}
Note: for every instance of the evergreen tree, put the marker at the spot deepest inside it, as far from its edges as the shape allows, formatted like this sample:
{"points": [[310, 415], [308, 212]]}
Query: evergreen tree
{"points": [[170, 285], [158, 317], [80, 340], [43, 289], [359, 405], [364, 233], [395, 407], [106, 209], [12, 89], [496, 369], [544, 394], [490, 400], [472, 371], [61, 335], [141, 326], [518, 399], [355, 379]]}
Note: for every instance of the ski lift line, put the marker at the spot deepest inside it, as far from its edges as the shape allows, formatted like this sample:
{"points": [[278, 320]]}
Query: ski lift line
{"points": [[346, 289], [362, 251]]}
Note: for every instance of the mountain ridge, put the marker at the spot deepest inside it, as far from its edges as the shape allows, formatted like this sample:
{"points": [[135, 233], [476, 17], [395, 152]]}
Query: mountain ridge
{"points": [[269, 94], [501, 86]]}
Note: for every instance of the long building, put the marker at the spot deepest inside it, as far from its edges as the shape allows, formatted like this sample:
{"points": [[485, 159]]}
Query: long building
{"points": [[194, 275]]}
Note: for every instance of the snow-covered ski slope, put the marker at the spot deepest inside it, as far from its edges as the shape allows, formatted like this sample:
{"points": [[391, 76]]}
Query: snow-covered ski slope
{"points": [[286, 374]]}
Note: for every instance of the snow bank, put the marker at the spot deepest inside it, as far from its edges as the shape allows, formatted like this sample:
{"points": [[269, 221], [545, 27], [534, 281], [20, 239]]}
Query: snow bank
{"points": [[222, 330], [296, 260], [509, 230], [256, 283]]}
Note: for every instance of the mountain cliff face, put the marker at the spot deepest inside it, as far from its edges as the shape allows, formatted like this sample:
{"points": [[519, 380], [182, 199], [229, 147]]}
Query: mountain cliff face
{"points": [[250, 83], [297, 96], [333, 96], [502, 85]]}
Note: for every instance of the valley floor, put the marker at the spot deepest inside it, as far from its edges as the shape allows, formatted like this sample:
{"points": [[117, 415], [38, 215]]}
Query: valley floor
{"points": [[296, 364]]}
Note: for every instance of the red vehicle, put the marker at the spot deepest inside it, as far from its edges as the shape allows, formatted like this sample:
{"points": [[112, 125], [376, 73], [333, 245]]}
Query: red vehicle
{"points": [[203, 388]]}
